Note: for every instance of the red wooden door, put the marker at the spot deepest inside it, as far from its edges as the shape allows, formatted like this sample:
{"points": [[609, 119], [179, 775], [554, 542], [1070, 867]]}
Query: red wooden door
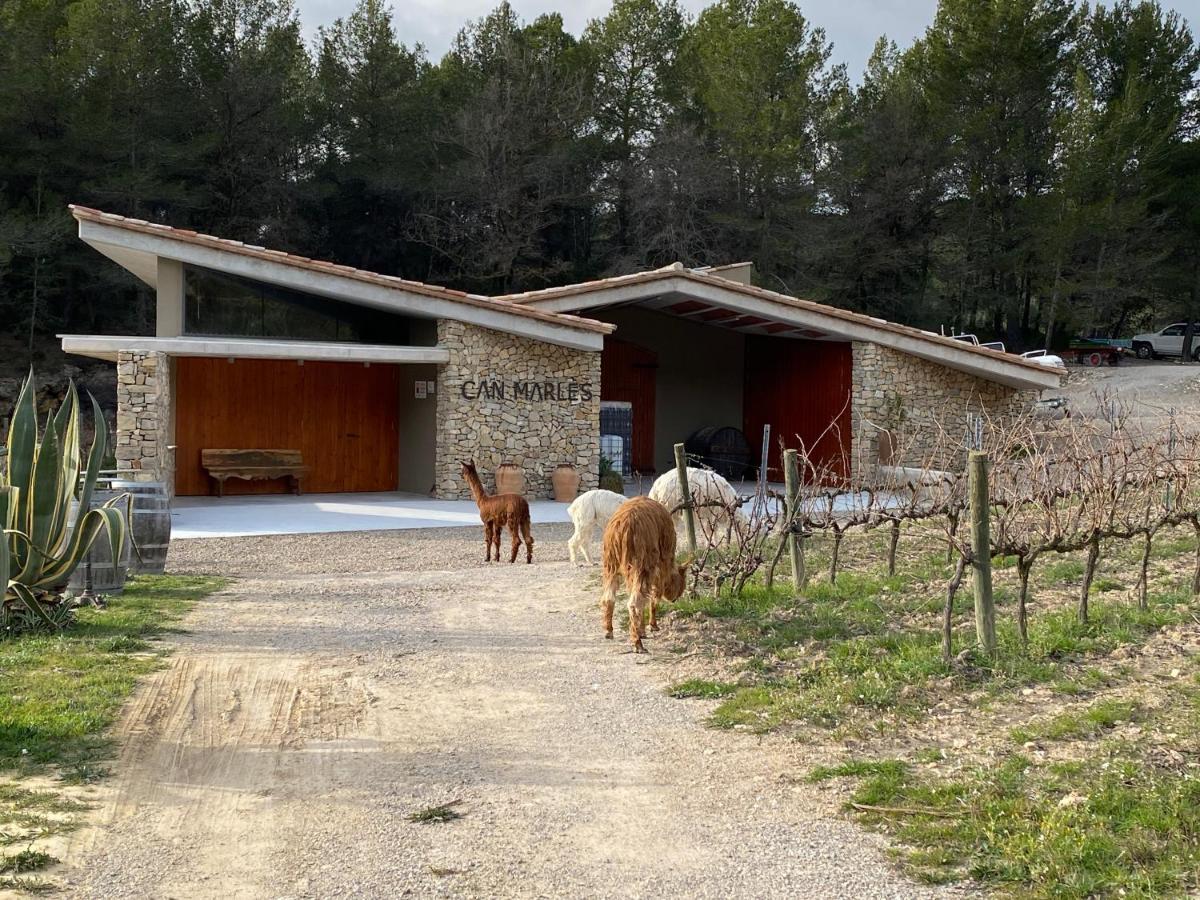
{"points": [[343, 417], [802, 388], [628, 374]]}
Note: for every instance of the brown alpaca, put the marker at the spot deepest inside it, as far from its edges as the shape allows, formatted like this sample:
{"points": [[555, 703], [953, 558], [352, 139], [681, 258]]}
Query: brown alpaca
{"points": [[639, 547], [498, 512]]}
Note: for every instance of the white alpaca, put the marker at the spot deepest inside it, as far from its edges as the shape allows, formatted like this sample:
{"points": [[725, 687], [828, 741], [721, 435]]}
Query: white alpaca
{"points": [[706, 486], [590, 511]]}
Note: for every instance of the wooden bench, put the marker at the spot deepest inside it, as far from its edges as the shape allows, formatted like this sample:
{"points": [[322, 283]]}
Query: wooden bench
{"points": [[253, 465]]}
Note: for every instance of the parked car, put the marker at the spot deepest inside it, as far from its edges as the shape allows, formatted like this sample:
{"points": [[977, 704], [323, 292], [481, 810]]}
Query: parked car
{"points": [[1167, 342]]}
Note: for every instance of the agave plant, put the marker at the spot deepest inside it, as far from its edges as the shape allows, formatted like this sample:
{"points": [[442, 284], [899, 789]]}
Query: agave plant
{"points": [[42, 542]]}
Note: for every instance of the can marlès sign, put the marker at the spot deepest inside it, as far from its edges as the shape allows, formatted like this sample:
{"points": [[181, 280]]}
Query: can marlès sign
{"points": [[530, 391]]}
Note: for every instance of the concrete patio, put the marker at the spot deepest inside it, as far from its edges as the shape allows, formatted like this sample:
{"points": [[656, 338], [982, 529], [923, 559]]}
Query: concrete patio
{"points": [[261, 514], [239, 516]]}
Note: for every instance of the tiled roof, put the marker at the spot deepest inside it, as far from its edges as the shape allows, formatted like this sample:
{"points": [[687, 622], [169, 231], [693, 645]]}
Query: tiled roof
{"points": [[712, 277], [86, 214]]}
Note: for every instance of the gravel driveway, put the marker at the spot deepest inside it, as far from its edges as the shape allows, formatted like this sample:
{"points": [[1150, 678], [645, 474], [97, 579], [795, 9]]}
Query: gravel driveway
{"points": [[344, 682]]}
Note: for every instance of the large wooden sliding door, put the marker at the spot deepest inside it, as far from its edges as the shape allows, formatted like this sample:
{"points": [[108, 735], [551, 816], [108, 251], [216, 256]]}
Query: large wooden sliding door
{"points": [[344, 418], [802, 388], [628, 373]]}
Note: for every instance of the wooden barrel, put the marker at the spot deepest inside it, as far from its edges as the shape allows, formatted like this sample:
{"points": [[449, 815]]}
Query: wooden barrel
{"points": [[151, 525], [723, 449], [97, 565]]}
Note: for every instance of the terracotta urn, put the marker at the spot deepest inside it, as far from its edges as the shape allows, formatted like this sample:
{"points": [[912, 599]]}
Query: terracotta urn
{"points": [[510, 479], [566, 483]]}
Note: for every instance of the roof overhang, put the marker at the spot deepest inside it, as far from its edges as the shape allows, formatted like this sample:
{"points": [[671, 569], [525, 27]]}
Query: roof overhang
{"points": [[760, 309], [137, 246], [103, 346]]}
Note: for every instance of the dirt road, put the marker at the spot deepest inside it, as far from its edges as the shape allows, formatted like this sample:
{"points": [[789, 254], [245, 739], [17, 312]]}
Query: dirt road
{"points": [[305, 716], [1147, 390]]}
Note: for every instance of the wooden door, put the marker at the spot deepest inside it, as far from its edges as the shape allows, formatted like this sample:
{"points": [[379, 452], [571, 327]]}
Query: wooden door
{"points": [[343, 418], [628, 373], [802, 388]]}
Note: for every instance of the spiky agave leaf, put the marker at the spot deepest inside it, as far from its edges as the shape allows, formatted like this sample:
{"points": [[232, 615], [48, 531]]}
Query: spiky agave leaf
{"points": [[66, 426], [108, 518], [22, 451], [8, 497], [29, 599], [43, 506], [40, 549]]}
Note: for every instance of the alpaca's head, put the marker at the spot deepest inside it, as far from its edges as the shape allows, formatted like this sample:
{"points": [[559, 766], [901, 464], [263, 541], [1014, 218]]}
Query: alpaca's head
{"points": [[676, 582], [468, 468]]}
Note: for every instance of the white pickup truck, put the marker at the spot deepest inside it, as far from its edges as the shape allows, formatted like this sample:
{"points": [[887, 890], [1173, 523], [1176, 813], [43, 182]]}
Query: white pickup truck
{"points": [[1168, 342]]}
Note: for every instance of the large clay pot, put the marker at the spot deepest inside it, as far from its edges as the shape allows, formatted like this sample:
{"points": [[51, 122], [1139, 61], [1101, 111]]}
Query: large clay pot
{"points": [[566, 483], [510, 479]]}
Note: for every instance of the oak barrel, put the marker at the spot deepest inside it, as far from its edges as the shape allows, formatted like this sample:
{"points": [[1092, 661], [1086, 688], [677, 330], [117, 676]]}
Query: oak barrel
{"points": [[97, 564], [151, 525]]}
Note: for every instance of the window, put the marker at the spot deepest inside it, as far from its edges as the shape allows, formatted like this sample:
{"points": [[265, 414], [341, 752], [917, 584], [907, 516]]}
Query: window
{"points": [[223, 305]]}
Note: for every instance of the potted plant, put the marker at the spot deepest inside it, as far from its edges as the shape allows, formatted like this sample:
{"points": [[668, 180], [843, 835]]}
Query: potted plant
{"points": [[610, 478]]}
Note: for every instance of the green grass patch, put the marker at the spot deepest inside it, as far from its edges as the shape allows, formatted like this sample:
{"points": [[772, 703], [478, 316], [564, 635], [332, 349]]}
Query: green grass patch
{"points": [[1076, 724], [869, 645], [701, 689], [1060, 570], [903, 673], [59, 693], [25, 861], [444, 812], [1109, 826]]}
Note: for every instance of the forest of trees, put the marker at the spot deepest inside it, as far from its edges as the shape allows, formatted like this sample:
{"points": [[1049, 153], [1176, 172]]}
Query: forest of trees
{"points": [[1026, 167]]}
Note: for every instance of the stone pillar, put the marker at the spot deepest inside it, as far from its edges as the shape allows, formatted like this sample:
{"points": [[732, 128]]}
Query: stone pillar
{"points": [[503, 398], [145, 427]]}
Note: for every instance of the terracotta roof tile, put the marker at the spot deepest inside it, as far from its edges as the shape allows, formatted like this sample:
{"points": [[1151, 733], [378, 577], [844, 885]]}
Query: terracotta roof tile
{"points": [[84, 213], [678, 270]]}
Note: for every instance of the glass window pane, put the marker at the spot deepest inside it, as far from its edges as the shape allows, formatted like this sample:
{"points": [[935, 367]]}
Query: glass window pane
{"points": [[225, 305]]}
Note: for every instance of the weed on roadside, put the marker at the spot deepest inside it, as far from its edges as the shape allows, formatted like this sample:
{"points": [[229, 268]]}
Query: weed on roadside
{"points": [[444, 812]]}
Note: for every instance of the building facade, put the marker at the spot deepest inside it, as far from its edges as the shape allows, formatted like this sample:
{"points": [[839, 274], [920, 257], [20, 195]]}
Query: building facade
{"points": [[386, 384]]}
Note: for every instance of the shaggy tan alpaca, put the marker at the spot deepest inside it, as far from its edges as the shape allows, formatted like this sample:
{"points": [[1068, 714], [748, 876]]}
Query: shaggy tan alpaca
{"points": [[639, 548], [500, 511]]}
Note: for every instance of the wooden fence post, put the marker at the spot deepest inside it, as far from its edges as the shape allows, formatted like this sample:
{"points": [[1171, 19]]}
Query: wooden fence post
{"points": [[791, 477], [981, 552], [689, 517]]}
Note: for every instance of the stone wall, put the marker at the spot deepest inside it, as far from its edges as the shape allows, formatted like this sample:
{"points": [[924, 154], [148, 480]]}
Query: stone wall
{"points": [[917, 399], [503, 398], [144, 416]]}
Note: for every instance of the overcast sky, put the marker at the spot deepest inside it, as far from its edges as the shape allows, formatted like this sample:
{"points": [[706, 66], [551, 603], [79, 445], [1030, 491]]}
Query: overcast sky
{"points": [[852, 25]]}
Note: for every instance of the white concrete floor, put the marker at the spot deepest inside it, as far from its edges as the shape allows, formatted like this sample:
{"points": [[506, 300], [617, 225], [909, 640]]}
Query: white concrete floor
{"points": [[238, 516], [254, 514]]}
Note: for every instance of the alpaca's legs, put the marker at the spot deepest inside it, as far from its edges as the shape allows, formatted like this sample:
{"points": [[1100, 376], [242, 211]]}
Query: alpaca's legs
{"points": [[488, 528], [584, 535], [653, 604], [637, 613], [516, 540], [573, 542], [607, 602], [527, 534], [497, 531]]}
